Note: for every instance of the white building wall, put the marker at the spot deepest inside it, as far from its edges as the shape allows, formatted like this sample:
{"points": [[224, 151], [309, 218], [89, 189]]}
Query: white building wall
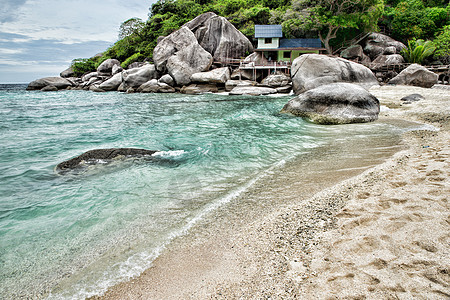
{"points": [[262, 45]]}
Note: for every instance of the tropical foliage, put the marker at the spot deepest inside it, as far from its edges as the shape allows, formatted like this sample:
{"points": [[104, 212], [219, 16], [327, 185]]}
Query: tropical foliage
{"points": [[331, 20], [418, 50]]}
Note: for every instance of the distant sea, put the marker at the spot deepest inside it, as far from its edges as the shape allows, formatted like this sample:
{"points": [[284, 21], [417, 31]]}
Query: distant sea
{"points": [[107, 222]]}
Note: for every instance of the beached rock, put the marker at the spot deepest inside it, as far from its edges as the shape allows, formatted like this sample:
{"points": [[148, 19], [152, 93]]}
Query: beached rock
{"points": [[167, 79], [137, 76], [386, 60], [197, 89], [188, 61], [96, 88], [49, 88], [416, 75], [93, 157], [377, 43], [337, 103], [284, 89], [219, 37], [413, 98], [171, 44], [106, 66], [252, 90], [219, 75], [88, 76], [312, 70], [353, 52], [231, 84], [112, 84], [58, 82], [154, 86], [276, 80], [67, 73]]}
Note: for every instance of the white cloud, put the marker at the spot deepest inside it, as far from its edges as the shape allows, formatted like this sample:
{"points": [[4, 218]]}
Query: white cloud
{"points": [[10, 51]]}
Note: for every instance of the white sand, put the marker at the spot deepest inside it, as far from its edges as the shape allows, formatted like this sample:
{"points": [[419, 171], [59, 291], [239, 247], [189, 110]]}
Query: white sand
{"points": [[383, 234]]}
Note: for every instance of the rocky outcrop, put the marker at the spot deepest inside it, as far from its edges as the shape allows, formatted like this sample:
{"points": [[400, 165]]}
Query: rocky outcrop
{"points": [[135, 77], [219, 75], [93, 157], [219, 37], [313, 70], [252, 90], [107, 66], [276, 80], [377, 43], [337, 103], [58, 82], [49, 88], [386, 60], [197, 89], [67, 73], [171, 44], [154, 86], [189, 60], [112, 84], [416, 75]]}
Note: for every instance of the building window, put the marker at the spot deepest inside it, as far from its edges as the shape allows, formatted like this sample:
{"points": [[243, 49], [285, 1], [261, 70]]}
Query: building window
{"points": [[286, 54], [268, 41]]}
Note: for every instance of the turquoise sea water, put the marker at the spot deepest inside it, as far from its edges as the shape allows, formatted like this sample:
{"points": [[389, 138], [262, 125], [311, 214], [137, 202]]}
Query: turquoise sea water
{"points": [[107, 223]]}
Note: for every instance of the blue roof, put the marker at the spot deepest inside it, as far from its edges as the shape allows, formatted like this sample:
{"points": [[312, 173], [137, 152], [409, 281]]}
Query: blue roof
{"points": [[300, 43], [268, 31]]}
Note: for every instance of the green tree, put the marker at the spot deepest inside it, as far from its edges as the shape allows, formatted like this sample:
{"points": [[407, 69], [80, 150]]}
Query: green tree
{"points": [[130, 27], [329, 16], [442, 43], [418, 50]]}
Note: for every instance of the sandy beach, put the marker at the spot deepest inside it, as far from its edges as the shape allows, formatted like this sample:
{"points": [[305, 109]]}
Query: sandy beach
{"points": [[363, 229]]}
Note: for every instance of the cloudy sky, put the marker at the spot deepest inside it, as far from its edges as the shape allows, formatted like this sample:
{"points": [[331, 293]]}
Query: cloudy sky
{"points": [[39, 38]]}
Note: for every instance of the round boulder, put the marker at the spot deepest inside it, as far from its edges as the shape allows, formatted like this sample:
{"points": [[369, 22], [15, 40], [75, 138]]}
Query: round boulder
{"points": [[107, 66], [336, 103], [312, 70], [416, 75]]}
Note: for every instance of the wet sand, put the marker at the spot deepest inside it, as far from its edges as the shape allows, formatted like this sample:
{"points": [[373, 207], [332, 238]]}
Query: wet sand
{"points": [[363, 229]]}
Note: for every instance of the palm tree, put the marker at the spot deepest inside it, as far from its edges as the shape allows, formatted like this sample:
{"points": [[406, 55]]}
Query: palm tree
{"points": [[418, 50]]}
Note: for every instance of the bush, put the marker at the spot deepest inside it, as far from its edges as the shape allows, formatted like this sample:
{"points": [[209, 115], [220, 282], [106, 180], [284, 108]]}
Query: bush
{"points": [[442, 43], [133, 58], [82, 66]]}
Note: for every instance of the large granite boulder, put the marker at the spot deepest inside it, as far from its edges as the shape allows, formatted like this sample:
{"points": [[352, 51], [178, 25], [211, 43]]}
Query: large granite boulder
{"points": [[171, 44], [252, 90], [95, 156], [88, 76], [416, 75], [58, 82], [386, 60], [353, 52], [377, 43], [219, 37], [198, 89], [167, 79], [107, 66], [137, 76], [219, 75], [189, 60], [154, 86], [112, 84], [67, 73], [276, 80], [336, 103], [312, 70]]}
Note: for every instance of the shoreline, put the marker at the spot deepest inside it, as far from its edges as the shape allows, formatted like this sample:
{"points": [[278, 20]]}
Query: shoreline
{"points": [[281, 254]]}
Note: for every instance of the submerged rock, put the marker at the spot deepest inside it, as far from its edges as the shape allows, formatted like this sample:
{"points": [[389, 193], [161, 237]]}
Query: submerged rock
{"points": [[94, 156], [337, 103], [313, 70]]}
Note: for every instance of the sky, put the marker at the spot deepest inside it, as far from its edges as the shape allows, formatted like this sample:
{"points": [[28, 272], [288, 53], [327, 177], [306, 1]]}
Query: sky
{"points": [[40, 38]]}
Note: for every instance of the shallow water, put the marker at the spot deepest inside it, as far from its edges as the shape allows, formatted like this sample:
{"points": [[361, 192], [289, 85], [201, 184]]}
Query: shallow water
{"points": [[107, 222]]}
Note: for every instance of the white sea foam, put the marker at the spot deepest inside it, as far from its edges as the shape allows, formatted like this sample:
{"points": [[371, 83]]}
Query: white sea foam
{"points": [[169, 154]]}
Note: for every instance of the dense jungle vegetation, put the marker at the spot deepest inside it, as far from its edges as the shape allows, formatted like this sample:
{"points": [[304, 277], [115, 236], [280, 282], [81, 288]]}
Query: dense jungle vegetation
{"points": [[332, 20]]}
